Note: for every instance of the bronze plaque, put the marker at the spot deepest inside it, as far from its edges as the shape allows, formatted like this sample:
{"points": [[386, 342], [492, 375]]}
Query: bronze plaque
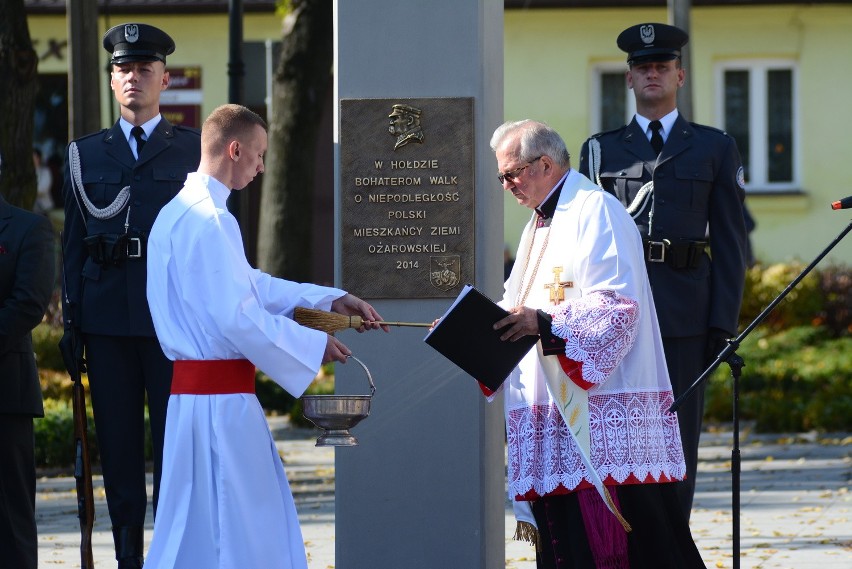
{"points": [[407, 195]]}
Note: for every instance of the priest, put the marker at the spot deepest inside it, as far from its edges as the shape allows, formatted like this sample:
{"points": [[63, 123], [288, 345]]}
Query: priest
{"points": [[592, 448]]}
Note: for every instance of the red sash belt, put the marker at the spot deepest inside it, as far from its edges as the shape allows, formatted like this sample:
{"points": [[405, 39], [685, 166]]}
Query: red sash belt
{"points": [[212, 377]]}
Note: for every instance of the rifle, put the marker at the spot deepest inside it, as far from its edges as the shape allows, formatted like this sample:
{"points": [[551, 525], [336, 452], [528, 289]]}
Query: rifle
{"points": [[83, 474], [70, 348]]}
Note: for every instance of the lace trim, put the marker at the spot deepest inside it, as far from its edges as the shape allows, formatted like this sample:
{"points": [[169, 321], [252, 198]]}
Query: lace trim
{"points": [[599, 330], [631, 433]]}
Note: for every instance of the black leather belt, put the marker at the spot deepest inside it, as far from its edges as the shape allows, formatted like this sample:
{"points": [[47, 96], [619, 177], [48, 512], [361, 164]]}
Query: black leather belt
{"points": [[677, 254], [111, 249]]}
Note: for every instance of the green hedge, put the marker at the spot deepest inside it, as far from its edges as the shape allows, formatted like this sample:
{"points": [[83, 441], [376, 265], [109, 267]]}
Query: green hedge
{"points": [[822, 298], [54, 435], [798, 361], [794, 380]]}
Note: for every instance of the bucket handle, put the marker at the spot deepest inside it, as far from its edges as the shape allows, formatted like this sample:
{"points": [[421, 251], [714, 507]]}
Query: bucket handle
{"points": [[369, 375]]}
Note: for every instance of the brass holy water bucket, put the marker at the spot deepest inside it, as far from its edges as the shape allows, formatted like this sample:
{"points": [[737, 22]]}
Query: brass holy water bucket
{"points": [[336, 414]]}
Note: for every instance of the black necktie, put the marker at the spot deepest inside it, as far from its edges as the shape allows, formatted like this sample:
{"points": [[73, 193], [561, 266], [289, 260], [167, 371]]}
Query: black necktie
{"points": [[137, 132], [656, 137]]}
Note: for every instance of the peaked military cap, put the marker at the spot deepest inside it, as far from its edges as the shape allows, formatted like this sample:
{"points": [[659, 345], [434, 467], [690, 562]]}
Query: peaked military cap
{"points": [[401, 109], [137, 42], [651, 42]]}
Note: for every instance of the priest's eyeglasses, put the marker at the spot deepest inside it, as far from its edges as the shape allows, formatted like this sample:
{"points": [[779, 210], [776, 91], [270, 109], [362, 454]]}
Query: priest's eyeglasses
{"points": [[516, 172]]}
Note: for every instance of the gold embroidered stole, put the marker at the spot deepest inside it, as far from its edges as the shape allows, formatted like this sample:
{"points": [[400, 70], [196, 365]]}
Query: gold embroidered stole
{"points": [[572, 400]]}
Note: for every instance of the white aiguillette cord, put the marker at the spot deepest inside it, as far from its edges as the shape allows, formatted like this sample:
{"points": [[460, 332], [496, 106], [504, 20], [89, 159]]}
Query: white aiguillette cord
{"points": [[646, 192], [77, 177]]}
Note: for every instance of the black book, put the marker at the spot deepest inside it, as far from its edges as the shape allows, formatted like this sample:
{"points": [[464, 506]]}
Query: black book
{"points": [[465, 337]]}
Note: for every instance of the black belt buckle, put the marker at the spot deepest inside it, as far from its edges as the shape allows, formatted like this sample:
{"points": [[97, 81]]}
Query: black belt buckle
{"points": [[134, 248], [657, 251]]}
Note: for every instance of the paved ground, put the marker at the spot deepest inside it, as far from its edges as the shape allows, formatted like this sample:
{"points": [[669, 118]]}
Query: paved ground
{"points": [[796, 507]]}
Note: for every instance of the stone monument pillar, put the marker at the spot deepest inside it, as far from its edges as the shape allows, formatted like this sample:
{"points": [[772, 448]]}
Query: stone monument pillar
{"points": [[419, 90]]}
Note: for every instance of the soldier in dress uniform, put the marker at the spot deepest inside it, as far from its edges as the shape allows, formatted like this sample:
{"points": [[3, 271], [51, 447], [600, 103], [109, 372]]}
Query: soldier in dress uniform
{"points": [[116, 181], [683, 184]]}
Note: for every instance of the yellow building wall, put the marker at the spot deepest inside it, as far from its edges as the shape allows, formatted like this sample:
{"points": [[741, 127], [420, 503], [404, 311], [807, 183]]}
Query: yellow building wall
{"points": [[549, 61]]}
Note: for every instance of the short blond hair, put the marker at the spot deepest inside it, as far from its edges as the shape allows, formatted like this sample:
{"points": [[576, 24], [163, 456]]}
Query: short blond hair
{"points": [[226, 123]]}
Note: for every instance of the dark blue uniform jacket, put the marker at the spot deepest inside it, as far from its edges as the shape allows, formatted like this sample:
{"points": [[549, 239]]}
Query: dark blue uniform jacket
{"points": [[110, 299], [696, 189]]}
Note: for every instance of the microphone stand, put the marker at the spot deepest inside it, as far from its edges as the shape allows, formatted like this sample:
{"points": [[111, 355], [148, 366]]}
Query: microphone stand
{"points": [[736, 363]]}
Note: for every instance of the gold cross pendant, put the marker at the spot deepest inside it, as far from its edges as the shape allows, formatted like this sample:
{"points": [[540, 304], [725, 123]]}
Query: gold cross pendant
{"points": [[557, 287]]}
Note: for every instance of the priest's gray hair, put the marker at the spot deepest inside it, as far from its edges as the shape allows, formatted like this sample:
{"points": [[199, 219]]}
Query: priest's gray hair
{"points": [[535, 139]]}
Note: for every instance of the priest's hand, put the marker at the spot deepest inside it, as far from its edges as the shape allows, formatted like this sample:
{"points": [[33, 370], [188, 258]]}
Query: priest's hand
{"points": [[335, 351], [351, 305], [521, 321]]}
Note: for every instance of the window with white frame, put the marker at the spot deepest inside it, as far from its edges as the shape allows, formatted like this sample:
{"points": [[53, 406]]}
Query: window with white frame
{"points": [[612, 102], [758, 107]]}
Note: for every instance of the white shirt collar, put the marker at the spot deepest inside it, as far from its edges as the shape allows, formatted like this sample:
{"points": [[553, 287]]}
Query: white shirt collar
{"points": [[218, 191], [148, 127], [667, 122]]}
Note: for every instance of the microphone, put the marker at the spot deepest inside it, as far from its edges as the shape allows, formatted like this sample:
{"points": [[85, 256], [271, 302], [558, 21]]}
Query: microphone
{"points": [[845, 203]]}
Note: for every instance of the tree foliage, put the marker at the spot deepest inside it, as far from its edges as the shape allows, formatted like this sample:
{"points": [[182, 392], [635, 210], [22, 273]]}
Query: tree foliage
{"points": [[18, 81]]}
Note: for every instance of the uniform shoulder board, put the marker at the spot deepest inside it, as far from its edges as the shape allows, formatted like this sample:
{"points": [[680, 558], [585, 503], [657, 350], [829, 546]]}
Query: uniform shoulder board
{"points": [[98, 133], [189, 129], [607, 132], [707, 127]]}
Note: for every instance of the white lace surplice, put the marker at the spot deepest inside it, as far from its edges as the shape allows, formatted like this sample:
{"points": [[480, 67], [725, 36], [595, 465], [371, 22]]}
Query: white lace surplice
{"points": [[613, 353]]}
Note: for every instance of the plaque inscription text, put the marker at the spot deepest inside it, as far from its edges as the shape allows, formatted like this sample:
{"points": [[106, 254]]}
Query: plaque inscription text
{"points": [[407, 196]]}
